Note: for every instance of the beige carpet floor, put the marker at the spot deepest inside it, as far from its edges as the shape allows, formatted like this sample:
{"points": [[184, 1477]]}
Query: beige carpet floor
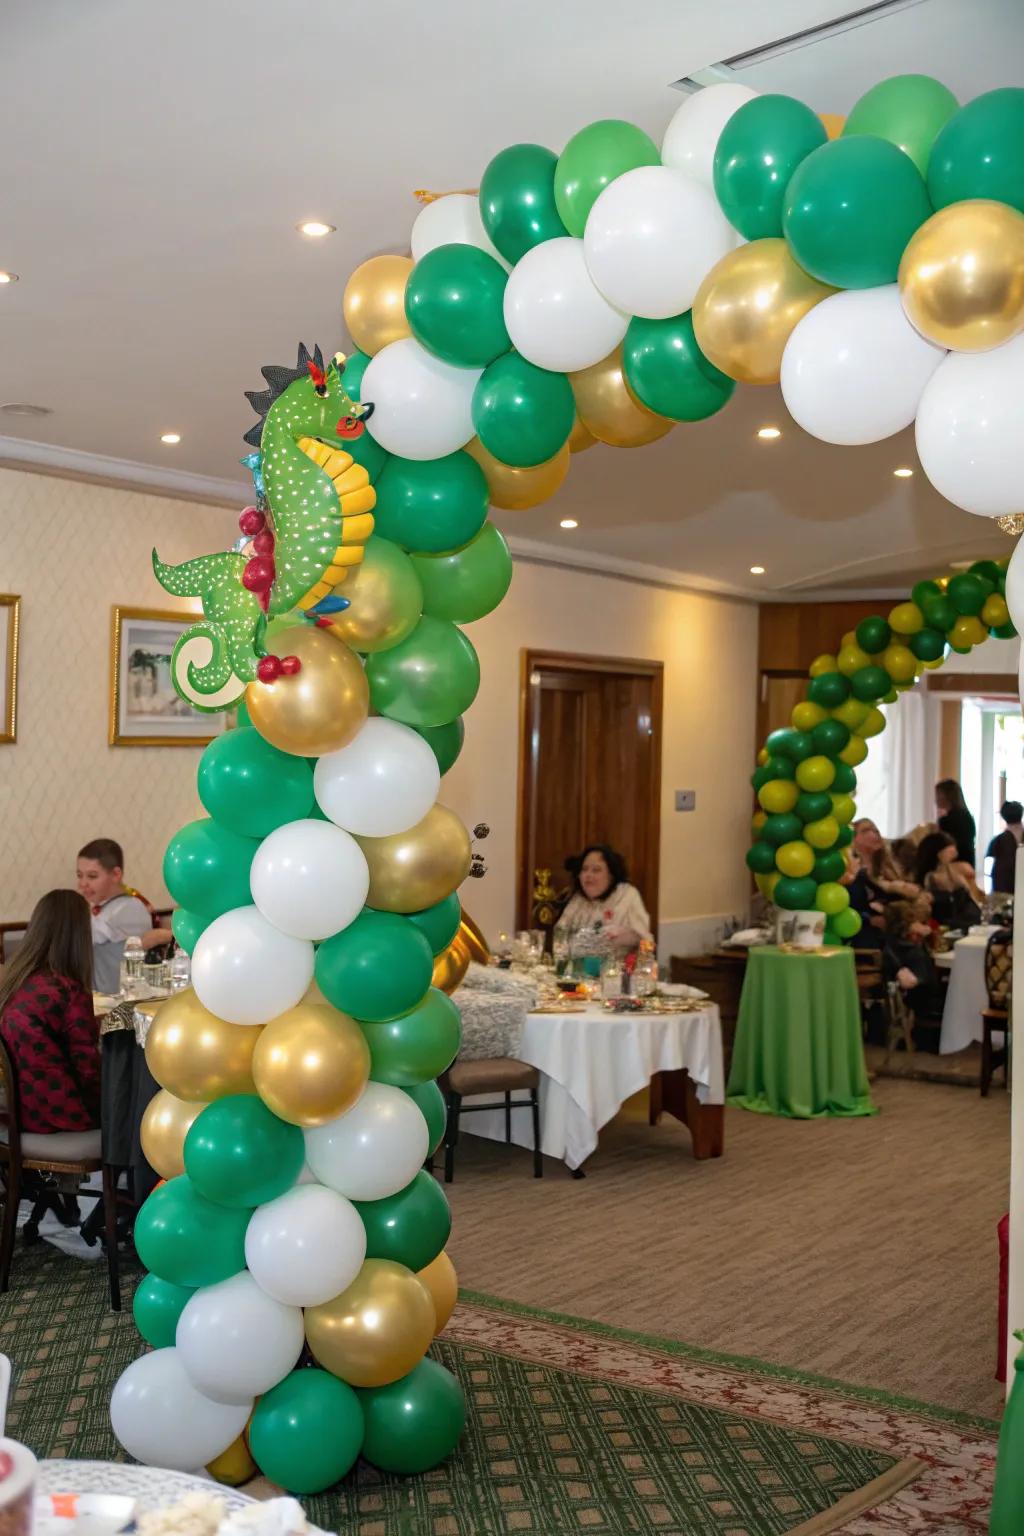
{"points": [[860, 1249]]}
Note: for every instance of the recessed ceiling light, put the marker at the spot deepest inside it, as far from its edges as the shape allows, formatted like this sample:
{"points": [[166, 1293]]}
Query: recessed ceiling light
{"points": [[170, 437], [315, 229], [768, 433], [903, 473], [757, 570], [8, 277], [568, 522], [23, 408]]}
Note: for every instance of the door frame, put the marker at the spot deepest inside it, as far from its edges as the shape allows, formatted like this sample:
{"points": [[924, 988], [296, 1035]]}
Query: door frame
{"points": [[570, 661]]}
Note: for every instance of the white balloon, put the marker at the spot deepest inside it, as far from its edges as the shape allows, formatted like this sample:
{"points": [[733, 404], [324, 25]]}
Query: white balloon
{"points": [[451, 220], [235, 1341], [691, 138], [854, 369], [1015, 588], [160, 1419], [652, 237], [374, 1150], [970, 426], [309, 878], [554, 314], [384, 781], [306, 1246], [422, 408], [247, 971]]}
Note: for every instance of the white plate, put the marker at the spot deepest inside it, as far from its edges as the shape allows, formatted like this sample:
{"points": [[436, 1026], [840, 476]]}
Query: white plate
{"points": [[150, 1487]]}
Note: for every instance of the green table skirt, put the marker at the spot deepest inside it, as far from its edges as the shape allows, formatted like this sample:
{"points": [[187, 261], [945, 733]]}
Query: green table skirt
{"points": [[798, 1048]]}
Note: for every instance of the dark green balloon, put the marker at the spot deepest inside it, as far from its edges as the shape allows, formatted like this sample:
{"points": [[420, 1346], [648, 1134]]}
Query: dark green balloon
{"points": [[306, 1432], [409, 1228], [845, 781], [429, 678], [967, 593], [927, 644], [250, 787], [416, 1047], [187, 926], [188, 1240], [779, 767], [845, 837], [469, 582], [813, 805], [356, 364], [517, 199], [922, 591], [830, 737], [415, 1423], [668, 372], [869, 684], [439, 923], [829, 689], [761, 858], [980, 152], [239, 1154], [156, 1307], [783, 827], [758, 150], [206, 867], [241, 714], [874, 634], [445, 741], [430, 1101], [1005, 631], [795, 895], [988, 570], [760, 776], [593, 157], [850, 210], [431, 505], [377, 968], [939, 613], [829, 866], [521, 413], [454, 305], [790, 743]]}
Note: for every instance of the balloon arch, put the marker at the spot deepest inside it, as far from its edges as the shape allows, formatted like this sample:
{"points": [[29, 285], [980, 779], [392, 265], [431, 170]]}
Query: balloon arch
{"points": [[297, 1272]]}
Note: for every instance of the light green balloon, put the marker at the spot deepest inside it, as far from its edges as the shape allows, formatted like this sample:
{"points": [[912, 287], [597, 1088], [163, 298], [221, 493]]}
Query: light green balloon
{"points": [[908, 110], [591, 159], [468, 582]]}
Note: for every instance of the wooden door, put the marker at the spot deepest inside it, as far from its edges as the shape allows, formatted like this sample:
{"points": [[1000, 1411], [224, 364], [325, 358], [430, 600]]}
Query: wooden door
{"points": [[590, 767]]}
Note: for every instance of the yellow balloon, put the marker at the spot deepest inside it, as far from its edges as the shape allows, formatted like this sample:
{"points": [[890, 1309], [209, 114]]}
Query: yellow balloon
{"points": [[442, 1282], [310, 1064], [872, 724], [196, 1056], [234, 1466], [900, 662], [748, 306], [580, 438], [855, 751], [932, 666], [610, 411], [385, 600], [822, 833], [766, 884], [851, 713], [322, 707], [968, 630], [851, 658], [822, 664], [762, 757], [844, 809], [757, 821], [165, 1124], [962, 276], [778, 796], [416, 869], [374, 302], [906, 619], [515, 489], [795, 859], [850, 638], [995, 612], [834, 123], [451, 965], [806, 716], [815, 774], [377, 1330]]}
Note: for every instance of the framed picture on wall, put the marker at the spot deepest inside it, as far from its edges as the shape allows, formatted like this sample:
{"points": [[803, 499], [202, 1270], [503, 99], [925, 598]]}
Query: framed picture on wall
{"points": [[145, 708], [10, 607]]}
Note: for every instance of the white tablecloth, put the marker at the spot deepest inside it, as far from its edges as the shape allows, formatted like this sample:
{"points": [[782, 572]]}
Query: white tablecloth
{"points": [[592, 1062], [967, 995]]}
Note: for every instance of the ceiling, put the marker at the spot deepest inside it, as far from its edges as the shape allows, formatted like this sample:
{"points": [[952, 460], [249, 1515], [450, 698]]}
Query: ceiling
{"points": [[167, 153]]}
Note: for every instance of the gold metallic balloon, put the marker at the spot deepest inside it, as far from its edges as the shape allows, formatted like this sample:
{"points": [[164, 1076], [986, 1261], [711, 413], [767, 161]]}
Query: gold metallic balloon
{"points": [[962, 276], [479, 949], [747, 307], [377, 1330], [451, 965], [165, 1124], [385, 600], [416, 869], [374, 302], [322, 706], [195, 1055], [580, 438], [442, 1282], [834, 123], [609, 410], [515, 489], [310, 1064], [234, 1466]]}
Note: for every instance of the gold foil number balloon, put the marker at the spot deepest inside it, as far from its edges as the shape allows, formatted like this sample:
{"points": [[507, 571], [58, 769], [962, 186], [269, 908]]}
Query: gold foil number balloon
{"points": [[962, 276], [377, 1330], [311, 1064], [374, 302], [165, 1124], [514, 489], [416, 869], [318, 709], [748, 306], [607, 408], [196, 1056]]}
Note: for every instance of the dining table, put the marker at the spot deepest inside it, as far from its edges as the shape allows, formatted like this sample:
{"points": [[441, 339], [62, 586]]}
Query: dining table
{"points": [[967, 993], [126, 1084]]}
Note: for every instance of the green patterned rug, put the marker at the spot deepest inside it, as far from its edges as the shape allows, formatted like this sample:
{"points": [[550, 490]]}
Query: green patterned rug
{"points": [[572, 1427]]}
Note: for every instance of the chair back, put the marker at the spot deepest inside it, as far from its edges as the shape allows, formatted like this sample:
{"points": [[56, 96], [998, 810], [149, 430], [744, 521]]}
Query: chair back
{"points": [[999, 969], [10, 1118]]}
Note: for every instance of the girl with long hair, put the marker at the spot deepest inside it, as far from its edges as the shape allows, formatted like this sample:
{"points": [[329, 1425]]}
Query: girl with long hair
{"points": [[956, 900]]}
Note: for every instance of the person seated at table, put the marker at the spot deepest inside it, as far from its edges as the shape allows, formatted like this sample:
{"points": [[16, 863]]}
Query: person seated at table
{"points": [[955, 819], [118, 911], [907, 960], [956, 900], [1002, 850], [604, 902], [873, 878]]}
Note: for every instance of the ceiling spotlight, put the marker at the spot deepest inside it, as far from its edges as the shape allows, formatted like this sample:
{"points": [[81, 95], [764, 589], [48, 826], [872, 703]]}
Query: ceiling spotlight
{"points": [[768, 434], [8, 277], [170, 437], [757, 570], [568, 522], [903, 473], [315, 229]]}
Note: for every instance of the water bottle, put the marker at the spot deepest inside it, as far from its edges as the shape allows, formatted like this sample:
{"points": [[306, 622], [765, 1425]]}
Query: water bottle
{"points": [[181, 971], [645, 973], [132, 961]]}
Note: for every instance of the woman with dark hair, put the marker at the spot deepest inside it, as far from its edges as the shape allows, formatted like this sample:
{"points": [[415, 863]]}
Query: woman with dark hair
{"points": [[956, 900], [956, 819], [604, 900], [46, 1018]]}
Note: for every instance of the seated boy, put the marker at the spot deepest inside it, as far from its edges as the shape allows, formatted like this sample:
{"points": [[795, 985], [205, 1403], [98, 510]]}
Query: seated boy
{"points": [[118, 913]]}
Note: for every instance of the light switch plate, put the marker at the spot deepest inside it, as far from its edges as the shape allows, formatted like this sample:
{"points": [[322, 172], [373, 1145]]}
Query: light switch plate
{"points": [[686, 799]]}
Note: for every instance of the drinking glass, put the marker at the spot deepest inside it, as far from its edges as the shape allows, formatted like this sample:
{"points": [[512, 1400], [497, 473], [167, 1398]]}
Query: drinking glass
{"points": [[181, 971]]}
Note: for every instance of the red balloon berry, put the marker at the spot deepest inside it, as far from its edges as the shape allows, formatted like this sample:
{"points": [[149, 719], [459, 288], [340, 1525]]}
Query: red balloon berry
{"points": [[269, 669], [258, 575], [252, 520], [263, 543], [290, 665]]}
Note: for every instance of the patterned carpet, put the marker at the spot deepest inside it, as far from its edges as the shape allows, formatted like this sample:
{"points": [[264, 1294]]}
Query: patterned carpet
{"points": [[573, 1427]]}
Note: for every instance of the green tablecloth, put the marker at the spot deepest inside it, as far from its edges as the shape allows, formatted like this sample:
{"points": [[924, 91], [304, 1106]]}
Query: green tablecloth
{"points": [[798, 1048]]}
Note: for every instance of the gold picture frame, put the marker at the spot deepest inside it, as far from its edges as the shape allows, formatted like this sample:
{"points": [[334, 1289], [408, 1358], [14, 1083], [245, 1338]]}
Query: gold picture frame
{"points": [[10, 604], [145, 708]]}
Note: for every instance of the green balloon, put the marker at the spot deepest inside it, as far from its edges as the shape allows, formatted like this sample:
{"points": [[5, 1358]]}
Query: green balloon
{"points": [[927, 644], [454, 305], [156, 1307], [469, 582], [795, 895], [874, 634], [847, 923], [967, 593], [668, 372], [439, 923], [790, 743], [377, 968], [206, 867], [430, 1101], [832, 898], [761, 858], [980, 152], [813, 805], [431, 505], [845, 781], [776, 767], [410, 1228], [830, 737], [592, 158], [908, 110], [416, 1047], [517, 199], [760, 776], [922, 591], [829, 866], [188, 1240], [241, 714], [850, 209], [1005, 631], [521, 413], [782, 827], [445, 741], [939, 613], [238, 1153], [845, 837], [186, 927], [306, 1432], [356, 364], [431, 677], [829, 689], [250, 787], [415, 1423], [988, 570], [869, 684], [758, 150]]}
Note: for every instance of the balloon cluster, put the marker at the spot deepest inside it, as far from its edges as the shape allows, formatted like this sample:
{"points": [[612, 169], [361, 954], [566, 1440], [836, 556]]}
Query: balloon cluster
{"points": [[805, 779]]}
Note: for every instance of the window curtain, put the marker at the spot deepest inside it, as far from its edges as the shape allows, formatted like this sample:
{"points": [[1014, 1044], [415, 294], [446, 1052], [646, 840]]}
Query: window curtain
{"points": [[896, 781]]}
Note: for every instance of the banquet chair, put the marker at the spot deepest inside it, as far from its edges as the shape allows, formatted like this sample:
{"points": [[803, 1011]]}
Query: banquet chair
{"points": [[498, 1074], [899, 1021], [995, 1019], [74, 1153]]}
